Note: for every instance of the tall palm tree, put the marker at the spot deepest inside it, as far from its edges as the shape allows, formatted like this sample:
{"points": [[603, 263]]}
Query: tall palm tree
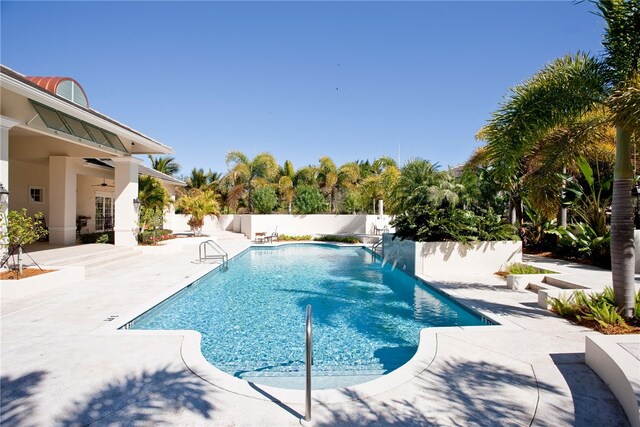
{"points": [[153, 199], [198, 179], [568, 88], [328, 180], [251, 173], [166, 165], [286, 191]]}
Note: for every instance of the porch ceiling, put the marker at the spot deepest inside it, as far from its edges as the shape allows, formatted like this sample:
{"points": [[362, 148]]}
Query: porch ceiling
{"points": [[31, 145]]}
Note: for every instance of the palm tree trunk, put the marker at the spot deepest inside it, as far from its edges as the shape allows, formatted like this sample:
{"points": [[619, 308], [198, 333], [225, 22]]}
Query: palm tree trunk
{"points": [[622, 226]]}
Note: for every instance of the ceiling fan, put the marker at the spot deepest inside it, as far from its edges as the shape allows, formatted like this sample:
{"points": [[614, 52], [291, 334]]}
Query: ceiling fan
{"points": [[102, 184]]}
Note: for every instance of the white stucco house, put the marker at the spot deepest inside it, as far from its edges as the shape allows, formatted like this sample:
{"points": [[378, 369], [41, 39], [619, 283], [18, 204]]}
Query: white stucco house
{"points": [[77, 166]]}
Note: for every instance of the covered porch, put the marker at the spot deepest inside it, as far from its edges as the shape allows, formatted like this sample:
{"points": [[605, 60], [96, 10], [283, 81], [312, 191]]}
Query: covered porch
{"points": [[52, 154]]}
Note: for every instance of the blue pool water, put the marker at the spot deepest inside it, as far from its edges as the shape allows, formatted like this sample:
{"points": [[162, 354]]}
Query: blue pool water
{"points": [[366, 317]]}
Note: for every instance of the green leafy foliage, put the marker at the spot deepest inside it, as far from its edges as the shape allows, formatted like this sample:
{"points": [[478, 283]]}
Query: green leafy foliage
{"points": [[565, 307], [519, 268], [338, 239], [264, 200], [97, 237], [22, 229], [151, 237], [286, 237], [581, 241], [102, 239], [308, 200], [198, 204], [428, 224], [598, 307]]}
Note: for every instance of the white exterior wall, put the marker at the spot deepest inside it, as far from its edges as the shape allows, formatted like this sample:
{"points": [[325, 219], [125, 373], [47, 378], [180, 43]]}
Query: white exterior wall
{"points": [[23, 175], [438, 258]]}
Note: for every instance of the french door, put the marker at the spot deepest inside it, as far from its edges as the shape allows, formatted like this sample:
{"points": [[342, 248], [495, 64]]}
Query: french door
{"points": [[104, 213]]}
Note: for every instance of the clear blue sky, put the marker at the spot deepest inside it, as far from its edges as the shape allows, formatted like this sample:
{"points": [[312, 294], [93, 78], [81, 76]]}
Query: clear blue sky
{"points": [[351, 80]]}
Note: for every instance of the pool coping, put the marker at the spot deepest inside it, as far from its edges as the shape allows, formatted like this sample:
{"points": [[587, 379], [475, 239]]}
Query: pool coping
{"points": [[195, 361]]}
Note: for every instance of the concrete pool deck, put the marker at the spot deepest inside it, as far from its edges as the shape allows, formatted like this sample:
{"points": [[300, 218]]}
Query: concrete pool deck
{"points": [[62, 363]]}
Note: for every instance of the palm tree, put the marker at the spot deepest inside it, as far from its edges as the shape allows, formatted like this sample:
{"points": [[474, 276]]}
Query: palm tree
{"points": [[166, 165], [563, 91], [198, 204], [328, 179], [286, 191], [153, 199], [251, 173], [199, 179]]}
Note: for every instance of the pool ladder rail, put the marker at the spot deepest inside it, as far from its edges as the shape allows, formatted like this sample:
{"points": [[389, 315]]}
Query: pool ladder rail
{"points": [[376, 248], [308, 363], [215, 253]]}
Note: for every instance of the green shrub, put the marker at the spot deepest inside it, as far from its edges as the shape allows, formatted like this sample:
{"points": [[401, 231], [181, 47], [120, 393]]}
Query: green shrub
{"points": [[308, 200], [94, 237], [429, 224], [339, 239], [264, 200], [564, 307], [600, 308], [149, 238], [519, 268], [285, 237]]}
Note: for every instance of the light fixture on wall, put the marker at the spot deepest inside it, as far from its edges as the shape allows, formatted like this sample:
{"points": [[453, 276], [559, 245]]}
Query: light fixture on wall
{"points": [[4, 194], [136, 204]]}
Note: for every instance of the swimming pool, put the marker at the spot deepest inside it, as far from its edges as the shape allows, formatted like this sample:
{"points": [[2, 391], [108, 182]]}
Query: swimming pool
{"points": [[367, 317]]}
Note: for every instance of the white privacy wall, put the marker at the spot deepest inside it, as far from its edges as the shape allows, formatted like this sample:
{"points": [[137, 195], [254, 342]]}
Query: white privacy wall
{"points": [[293, 225], [437, 258]]}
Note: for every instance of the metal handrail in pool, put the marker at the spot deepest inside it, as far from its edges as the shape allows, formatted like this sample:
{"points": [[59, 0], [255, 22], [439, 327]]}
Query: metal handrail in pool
{"points": [[220, 253], [308, 363]]}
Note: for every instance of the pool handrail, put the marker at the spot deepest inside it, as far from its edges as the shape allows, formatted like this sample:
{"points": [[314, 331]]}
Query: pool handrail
{"points": [[308, 363], [220, 253]]}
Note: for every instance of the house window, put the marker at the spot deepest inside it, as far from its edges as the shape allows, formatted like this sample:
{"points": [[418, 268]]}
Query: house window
{"points": [[36, 195]]}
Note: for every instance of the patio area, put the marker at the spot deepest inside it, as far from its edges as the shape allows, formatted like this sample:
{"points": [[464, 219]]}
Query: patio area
{"points": [[63, 362]]}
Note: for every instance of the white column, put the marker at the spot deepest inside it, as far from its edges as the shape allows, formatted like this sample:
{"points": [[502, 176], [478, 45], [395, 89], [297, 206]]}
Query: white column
{"points": [[5, 125], [62, 200], [126, 177], [380, 207]]}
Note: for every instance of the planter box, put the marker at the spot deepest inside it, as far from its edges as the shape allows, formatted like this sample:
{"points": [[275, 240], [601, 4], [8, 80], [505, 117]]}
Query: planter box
{"points": [[441, 258], [520, 281], [41, 283]]}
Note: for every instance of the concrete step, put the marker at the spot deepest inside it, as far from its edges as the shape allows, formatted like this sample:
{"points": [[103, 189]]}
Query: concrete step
{"points": [[125, 256], [564, 282], [89, 256]]}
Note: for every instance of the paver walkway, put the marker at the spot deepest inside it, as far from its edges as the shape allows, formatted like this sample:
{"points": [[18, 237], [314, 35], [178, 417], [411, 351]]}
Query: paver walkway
{"points": [[58, 369]]}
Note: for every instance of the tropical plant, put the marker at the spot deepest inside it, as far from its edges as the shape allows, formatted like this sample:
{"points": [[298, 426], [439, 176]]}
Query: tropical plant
{"points": [[154, 198], [589, 205], [17, 229], [264, 200], [286, 191], [519, 268], [166, 165], [569, 88], [199, 179], [337, 239], [248, 174], [584, 242], [198, 204], [328, 180], [308, 200]]}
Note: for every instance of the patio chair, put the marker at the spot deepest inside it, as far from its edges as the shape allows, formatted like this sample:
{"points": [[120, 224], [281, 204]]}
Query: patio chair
{"points": [[380, 227], [272, 236]]}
